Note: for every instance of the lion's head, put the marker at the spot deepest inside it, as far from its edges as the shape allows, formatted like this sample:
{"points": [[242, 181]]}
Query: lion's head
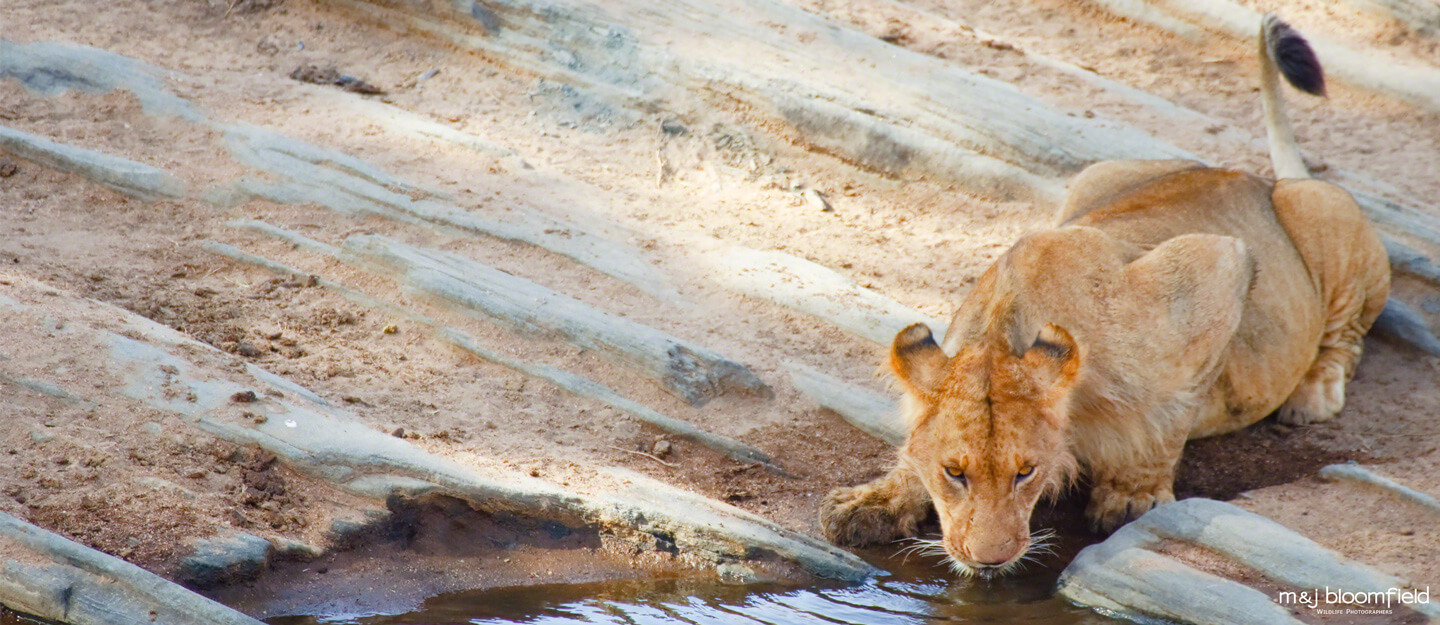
{"points": [[987, 436]]}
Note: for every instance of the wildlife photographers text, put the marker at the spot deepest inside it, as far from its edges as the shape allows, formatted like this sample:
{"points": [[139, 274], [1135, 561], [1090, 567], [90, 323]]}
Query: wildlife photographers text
{"points": [[1336, 601]]}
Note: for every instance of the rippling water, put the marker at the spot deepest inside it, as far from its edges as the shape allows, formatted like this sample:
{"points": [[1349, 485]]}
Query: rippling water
{"points": [[917, 593]]}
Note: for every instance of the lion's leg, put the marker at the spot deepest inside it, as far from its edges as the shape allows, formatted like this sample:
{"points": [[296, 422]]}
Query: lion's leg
{"points": [[1352, 271], [881, 511], [1123, 490], [1321, 393]]}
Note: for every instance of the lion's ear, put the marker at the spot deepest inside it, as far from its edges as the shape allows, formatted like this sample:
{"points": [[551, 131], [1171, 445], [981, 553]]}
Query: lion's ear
{"points": [[918, 362], [1054, 357]]}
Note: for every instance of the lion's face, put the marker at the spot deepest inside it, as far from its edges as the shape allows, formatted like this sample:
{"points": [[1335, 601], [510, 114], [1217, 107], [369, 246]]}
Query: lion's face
{"points": [[987, 439]]}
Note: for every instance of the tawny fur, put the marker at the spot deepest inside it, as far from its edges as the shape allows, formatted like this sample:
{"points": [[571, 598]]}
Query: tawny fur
{"points": [[1169, 301]]}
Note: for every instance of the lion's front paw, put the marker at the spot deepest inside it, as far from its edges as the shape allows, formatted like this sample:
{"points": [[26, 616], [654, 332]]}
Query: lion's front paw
{"points": [[1114, 504], [1318, 398], [870, 514]]}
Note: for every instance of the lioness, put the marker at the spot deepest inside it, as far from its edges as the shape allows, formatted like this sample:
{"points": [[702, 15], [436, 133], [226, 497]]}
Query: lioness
{"points": [[1170, 301]]}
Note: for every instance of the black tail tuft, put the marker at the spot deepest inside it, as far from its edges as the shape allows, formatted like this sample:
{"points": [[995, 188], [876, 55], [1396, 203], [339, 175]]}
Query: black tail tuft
{"points": [[1293, 57]]}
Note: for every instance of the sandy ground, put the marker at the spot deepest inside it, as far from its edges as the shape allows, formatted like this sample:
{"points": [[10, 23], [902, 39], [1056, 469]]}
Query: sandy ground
{"points": [[91, 474]]}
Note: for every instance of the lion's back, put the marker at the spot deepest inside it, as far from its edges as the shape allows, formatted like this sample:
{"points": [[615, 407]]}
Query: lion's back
{"points": [[1284, 315]]}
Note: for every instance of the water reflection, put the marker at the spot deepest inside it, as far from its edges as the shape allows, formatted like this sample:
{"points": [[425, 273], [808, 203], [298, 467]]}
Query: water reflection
{"points": [[918, 593]]}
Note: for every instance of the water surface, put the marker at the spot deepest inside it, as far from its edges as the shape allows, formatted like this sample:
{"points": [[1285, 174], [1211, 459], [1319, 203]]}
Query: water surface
{"points": [[917, 592]]}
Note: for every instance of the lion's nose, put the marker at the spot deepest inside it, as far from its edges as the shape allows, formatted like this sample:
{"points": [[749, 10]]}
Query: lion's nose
{"points": [[995, 554]]}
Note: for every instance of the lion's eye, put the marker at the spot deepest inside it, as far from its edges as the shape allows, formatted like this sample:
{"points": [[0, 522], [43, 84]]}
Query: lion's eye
{"points": [[956, 474], [1024, 473]]}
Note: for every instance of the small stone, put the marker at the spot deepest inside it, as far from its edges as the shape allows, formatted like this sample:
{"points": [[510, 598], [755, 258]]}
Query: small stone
{"points": [[673, 127], [736, 573], [390, 329], [215, 560], [398, 433], [247, 350], [815, 200], [8, 169], [661, 449], [244, 397]]}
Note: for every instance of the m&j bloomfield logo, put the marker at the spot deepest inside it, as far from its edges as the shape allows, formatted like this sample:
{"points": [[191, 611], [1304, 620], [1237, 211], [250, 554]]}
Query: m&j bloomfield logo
{"points": [[1337, 601]]}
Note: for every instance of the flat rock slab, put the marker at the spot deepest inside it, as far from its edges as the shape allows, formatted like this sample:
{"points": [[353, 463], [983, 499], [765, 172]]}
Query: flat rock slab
{"points": [[49, 576], [1195, 19], [156, 367], [120, 174], [691, 372], [1207, 562], [574, 383], [873, 413], [817, 291]]}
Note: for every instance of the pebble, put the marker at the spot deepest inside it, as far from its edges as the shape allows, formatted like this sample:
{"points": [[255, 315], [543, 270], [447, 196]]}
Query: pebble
{"points": [[815, 200]]}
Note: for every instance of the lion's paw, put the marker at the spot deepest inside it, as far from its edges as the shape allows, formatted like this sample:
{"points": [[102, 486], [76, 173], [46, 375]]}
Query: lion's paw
{"points": [[869, 514], [1112, 506], [1317, 399]]}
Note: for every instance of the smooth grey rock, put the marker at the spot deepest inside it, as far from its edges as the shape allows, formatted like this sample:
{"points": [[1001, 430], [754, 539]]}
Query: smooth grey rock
{"points": [[1417, 84], [935, 121], [1400, 217], [1144, 586], [51, 68], [165, 370], [1357, 473], [1421, 15], [308, 173], [350, 186], [295, 550], [691, 372], [698, 524], [382, 486], [1409, 260], [1123, 574], [571, 382], [123, 175], [873, 413], [1401, 322], [61, 580], [231, 558], [815, 290]]}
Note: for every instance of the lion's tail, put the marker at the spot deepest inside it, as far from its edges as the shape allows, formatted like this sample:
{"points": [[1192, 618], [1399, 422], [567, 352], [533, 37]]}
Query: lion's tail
{"points": [[1283, 49]]}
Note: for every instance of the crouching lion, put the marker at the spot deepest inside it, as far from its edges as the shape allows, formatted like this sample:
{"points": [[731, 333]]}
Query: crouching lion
{"points": [[1171, 301]]}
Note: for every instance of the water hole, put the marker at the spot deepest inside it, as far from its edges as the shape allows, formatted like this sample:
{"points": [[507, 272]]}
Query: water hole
{"points": [[917, 591]]}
